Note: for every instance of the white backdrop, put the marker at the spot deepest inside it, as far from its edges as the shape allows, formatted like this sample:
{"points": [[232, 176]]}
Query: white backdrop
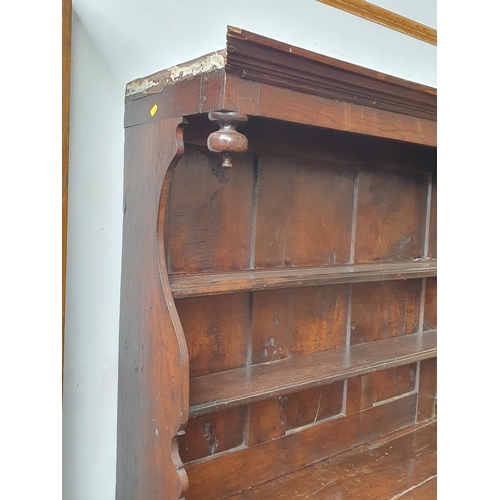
{"points": [[117, 41]]}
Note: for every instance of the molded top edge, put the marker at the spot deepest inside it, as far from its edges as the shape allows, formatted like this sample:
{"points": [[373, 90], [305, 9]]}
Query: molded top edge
{"points": [[261, 60], [237, 34], [226, 58]]}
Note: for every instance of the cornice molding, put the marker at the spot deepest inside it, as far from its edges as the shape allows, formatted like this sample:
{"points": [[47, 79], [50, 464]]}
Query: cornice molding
{"points": [[260, 59], [258, 76]]}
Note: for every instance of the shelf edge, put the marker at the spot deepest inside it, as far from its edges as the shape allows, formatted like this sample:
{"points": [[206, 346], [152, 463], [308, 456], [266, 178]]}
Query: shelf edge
{"points": [[280, 390]]}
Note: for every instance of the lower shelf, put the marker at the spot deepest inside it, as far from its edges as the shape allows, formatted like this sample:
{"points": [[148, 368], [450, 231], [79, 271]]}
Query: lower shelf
{"points": [[402, 465], [249, 384]]}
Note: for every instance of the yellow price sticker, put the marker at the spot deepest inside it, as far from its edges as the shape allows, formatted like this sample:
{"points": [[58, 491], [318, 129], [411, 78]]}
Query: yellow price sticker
{"points": [[153, 110]]}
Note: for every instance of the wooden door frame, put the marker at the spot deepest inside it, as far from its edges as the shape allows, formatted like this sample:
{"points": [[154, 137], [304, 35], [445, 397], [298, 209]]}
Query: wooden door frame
{"points": [[66, 79], [387, 18]]}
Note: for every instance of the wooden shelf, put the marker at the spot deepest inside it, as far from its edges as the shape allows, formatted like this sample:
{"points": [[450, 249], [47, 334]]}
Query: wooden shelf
{"points": [[245, 385], [401, 463], [266, 279]]}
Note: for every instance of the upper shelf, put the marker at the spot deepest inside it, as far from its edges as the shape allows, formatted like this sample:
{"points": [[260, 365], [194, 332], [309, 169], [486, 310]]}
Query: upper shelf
{"points": [[266, 279], [249, 384]]}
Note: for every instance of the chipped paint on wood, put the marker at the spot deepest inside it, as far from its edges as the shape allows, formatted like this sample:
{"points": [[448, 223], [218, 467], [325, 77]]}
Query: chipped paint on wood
{"points": [[156, 83]]}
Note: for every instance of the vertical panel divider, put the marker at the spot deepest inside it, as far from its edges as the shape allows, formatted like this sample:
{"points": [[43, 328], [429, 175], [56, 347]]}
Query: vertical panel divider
{"points": [[422, 306], [348, 322], [426, 251], [428, 216], [354, 217], [246, 427], [252, 257], [421, 319], [254, 210], [250, 328], [417, 387], [344, 399], [351, 261], [424, 280]]}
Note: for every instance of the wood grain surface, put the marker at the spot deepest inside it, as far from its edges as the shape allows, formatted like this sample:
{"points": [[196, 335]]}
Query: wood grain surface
{"points": [[153, 376], [283, 311], [391, 216], [430, 312], [290, 193], [296, 321], [193, 285], [230, 473], [258, 58], [383, 310], [209, 435], [216, 331], [257, 382], [210, 214], [404, 467], [427, 392], [368, 390]]}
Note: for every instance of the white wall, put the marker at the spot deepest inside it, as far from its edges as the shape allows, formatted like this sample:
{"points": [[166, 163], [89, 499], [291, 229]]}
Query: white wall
{"points": [[114, 42], [93, 273]]}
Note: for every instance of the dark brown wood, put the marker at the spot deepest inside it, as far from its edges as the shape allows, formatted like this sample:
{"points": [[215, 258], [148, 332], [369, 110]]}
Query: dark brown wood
{"points": [[186, 98], [313, 405], [290, 192], [291, 84], [233, 472], [289, 105], [227, 141], [254, 280], [153, 379], [384, 309], [369, 390], [210, 214], [267, 420], [391, 216], [258, 382], [404, 467], [427, 390], [261, 59], [216, 331], [430, 311], [336, 149], [208, 435], [289, 322], [432, 251], [283, 311], [181, 99]]}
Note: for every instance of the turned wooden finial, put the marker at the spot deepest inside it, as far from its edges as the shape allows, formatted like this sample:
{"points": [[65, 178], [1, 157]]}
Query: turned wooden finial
{"points": [[227, 141]]}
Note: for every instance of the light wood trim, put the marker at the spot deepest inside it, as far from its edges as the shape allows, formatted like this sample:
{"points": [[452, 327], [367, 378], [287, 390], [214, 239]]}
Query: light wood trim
{"points": [[66, 73], [386, 18]]}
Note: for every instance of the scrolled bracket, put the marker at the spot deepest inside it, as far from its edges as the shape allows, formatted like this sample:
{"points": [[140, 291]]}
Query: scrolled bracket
{"points": [[227, 141]]}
